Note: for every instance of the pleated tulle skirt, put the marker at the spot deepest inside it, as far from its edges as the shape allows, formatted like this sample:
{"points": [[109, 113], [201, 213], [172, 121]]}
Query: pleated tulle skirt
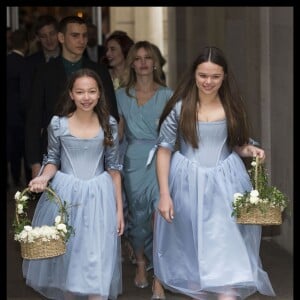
{"points": [[204, 251], [92, 263]]}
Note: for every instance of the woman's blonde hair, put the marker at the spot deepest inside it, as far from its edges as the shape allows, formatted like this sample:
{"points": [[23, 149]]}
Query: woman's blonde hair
{"points": [[130, 75]]}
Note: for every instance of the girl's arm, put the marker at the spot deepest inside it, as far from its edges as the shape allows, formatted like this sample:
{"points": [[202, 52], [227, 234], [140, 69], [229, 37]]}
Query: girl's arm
{"points": [[116, 177], [39, 183], [165, 204]]}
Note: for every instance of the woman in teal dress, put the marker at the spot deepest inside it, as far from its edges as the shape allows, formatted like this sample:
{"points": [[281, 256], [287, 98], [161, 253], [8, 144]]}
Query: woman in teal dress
{"points": [[140, 104]]}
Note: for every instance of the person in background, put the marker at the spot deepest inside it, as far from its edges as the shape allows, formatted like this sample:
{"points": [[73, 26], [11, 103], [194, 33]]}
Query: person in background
{"points": [[199, 249], [46, 30], [15, 108], [81, 136], [117, 45], [49, 81], [140, 103], [94, 51]]}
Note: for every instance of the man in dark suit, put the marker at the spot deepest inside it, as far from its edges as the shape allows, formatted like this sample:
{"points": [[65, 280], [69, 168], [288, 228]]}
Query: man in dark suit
{"points": [[94, 51], [50, 80], [15, 107], [46, 30]]}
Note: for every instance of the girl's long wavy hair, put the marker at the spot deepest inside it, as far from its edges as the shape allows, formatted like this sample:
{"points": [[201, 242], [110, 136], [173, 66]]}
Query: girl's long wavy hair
{"points": [[187, 91], [66, 106], [130, 76]]}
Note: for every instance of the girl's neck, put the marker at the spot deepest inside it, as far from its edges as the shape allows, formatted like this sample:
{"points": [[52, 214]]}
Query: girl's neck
{"points": [[209, 99], [145, 85], [83, 116]]}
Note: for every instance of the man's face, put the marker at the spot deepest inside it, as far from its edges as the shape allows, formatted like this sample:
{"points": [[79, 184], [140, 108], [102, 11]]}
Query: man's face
{"points": [[47, 36], [74, 40]]}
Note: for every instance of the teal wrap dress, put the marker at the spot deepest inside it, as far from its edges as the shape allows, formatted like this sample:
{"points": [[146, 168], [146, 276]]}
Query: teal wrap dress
{"points": [[140, 181]]}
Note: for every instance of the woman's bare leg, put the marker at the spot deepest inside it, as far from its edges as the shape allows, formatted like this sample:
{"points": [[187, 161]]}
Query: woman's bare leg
{"points": [[158, 291], [140, 279]]}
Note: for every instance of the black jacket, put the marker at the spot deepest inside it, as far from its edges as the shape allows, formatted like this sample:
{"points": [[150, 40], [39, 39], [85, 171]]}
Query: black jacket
{"points": [[15, 106], [32, 61]]}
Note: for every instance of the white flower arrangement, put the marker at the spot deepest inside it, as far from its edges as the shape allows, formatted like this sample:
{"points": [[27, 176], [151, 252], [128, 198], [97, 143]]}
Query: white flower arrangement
{"points": [[25, 233], [262, 196], [46, 233]]}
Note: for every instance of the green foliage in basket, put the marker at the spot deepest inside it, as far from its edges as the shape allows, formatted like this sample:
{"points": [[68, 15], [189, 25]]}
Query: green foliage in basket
{"points": [[262, 196], [23, 230]]}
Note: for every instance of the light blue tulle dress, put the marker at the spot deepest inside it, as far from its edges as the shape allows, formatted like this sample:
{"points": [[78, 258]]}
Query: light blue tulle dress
{"points": [[92, 263], [204, 251], [140, 180]]}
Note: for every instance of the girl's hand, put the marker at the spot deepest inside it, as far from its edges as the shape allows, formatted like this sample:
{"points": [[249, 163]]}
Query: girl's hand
{"points": [[250, 151], [120, 223], [38, 184], [165, 208]]}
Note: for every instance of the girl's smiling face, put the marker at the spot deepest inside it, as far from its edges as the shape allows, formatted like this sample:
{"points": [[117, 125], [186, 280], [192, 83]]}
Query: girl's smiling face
{"points": [[85, 93], [209, 77]]}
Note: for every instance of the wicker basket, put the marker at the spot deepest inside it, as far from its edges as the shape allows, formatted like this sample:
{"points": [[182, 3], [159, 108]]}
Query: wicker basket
{"points": [[40, 249], [253, 215], [272, 216]]}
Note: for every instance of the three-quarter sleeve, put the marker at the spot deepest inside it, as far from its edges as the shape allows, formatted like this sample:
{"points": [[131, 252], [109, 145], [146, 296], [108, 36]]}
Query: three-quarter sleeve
{"points": [[112, 152], [168, 130], [54, 145]]}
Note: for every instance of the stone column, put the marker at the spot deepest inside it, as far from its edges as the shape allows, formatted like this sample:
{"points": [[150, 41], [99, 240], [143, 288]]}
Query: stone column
{"points": [[149, 25]]}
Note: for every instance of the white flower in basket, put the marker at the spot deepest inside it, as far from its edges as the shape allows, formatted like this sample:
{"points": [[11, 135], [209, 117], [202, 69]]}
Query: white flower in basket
{"points": [[44, 241], [264, 204]]}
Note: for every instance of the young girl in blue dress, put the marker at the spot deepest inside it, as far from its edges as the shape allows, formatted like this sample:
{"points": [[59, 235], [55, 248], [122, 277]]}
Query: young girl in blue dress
{"points": [[82, 167], [199, 249]]}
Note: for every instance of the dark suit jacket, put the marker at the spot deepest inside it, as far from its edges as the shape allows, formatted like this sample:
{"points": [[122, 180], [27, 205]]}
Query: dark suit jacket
{"points": [[49, 81], [15, 107], [36, 59], [32, 61]]}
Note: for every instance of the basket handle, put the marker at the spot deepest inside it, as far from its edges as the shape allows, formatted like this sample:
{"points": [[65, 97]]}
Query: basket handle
{"points": [[49, 190], [257, 162]]}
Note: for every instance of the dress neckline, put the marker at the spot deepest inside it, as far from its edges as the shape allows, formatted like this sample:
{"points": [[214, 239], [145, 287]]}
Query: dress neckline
{"points": [[150, 99], [77, 137], [212, 122]]}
